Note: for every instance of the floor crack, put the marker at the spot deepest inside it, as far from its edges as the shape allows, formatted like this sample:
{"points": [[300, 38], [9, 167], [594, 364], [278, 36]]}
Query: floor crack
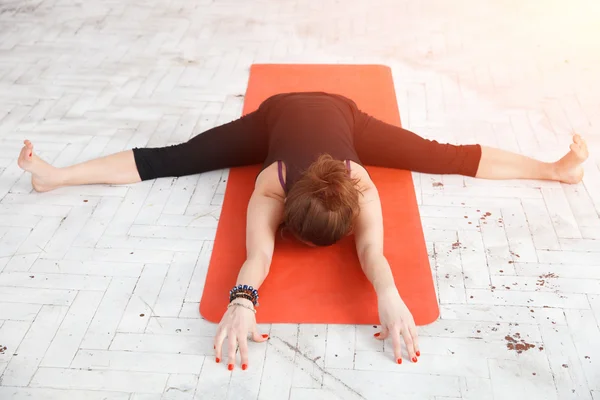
{"points": [[297, 350]]}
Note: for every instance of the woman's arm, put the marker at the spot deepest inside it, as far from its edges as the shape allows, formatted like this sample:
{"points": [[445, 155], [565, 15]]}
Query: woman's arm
{"points": [[396, 319], [369, 240], [265, 213]]}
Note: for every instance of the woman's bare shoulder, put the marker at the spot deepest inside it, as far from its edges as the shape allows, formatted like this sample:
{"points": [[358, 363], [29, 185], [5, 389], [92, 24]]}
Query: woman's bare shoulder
{"points": [[267, 182], [359, 173]]}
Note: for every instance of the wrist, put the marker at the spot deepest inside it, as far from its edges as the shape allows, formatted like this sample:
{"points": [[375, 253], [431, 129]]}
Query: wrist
{"points": [[242, 301], [240, 304]]}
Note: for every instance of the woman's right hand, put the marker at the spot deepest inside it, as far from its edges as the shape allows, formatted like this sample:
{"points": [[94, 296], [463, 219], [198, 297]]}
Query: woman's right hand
{"points": [[237, 322]]}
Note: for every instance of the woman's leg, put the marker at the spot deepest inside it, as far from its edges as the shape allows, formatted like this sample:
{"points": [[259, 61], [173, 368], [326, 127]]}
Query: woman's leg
{"points": [[501, 164], [237, 143], [119, 168], [385, 145]]}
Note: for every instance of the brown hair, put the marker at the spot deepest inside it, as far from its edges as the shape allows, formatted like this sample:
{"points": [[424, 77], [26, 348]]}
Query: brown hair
{"points": [[322, 205]]}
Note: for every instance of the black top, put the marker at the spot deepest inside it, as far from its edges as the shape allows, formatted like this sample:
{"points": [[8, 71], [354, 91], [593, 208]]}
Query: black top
{"points": [[303, 126]]}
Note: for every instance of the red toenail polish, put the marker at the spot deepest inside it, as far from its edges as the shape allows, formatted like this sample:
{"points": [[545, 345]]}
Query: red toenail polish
{"points": [[377, 334], [265, 335], [218, 360], [414, 359], [399, 361], [244, 366], [230, 367], [30, 154], [418, 354], [214, 347]]}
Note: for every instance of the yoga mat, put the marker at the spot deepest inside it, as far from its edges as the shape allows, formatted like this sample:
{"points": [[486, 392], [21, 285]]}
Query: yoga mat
{"points": [[324, 285]]}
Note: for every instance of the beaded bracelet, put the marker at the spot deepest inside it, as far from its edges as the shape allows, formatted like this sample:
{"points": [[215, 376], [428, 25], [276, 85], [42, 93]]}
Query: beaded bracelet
{"points": [[242, 296], [247, 293], [244, 291]]}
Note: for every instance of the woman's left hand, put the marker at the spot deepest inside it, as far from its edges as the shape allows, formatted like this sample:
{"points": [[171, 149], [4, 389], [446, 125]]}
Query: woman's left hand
{"points": [[396, 320]]}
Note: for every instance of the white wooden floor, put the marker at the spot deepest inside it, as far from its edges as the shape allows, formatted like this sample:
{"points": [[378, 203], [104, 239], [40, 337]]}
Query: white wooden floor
{"points": [[99, 286]]}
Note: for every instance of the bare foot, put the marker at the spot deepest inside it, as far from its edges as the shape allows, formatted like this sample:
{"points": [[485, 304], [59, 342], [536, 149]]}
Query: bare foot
{"points": [[568, 168], [44, 177]]}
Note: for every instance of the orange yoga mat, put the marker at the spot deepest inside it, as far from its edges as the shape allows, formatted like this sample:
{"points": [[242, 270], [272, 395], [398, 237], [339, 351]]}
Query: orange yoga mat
{"points": [[324, 285]]}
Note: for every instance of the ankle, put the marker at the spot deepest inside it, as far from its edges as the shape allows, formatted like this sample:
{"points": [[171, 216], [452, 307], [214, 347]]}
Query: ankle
{"points": [[554, 171], [60, 176]]}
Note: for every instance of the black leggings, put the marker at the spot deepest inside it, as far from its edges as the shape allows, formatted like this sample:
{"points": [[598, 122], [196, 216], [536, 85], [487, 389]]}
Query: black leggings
{"points": [[245, 142]]}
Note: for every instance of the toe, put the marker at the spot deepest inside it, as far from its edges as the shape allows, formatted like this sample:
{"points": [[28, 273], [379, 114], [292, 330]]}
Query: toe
{"points": [[576, 138], [583, 146], [580, 151], [24, 152]]}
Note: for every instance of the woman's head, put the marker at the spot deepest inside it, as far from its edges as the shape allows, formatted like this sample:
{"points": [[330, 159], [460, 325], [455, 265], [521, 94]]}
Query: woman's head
{"points": [[322, 205]]}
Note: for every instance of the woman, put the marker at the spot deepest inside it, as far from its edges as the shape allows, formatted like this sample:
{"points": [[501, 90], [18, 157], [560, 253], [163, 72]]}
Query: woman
{"points": [[313, 147]]}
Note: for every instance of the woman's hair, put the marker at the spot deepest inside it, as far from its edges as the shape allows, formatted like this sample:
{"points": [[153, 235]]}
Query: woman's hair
{"points": [[322, 205]]}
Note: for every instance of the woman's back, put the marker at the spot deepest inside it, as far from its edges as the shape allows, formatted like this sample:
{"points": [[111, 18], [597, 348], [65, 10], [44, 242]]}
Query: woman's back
{"points": [[303, 126]]}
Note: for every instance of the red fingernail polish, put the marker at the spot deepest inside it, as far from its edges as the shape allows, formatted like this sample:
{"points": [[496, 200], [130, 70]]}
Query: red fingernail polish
{"points": [[30, 154], [244, 366], [265, 335], [414, 359], [418, 353], [214, 347], [399, 361], [218, 360], [230, 367], [377, 334]]}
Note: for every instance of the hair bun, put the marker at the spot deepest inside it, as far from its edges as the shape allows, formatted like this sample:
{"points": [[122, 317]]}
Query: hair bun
{"points": [[322, 205], [329, 177]]}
